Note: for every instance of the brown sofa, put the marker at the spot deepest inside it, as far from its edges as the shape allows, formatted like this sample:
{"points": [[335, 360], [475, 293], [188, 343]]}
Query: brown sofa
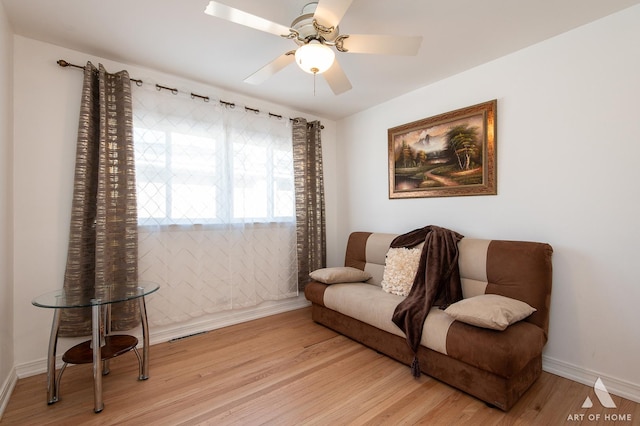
{"points": [[494, 366]]}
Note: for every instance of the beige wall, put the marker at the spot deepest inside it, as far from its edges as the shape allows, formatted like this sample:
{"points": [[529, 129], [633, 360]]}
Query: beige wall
{"points": [[6, 226]]}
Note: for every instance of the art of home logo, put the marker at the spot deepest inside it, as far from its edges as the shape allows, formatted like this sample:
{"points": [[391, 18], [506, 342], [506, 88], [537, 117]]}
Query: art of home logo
{"points": [[604, 398]]}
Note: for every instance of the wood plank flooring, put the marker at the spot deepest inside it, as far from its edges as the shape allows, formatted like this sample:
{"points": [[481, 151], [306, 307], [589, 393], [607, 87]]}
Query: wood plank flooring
{"points": [[286, 370]]}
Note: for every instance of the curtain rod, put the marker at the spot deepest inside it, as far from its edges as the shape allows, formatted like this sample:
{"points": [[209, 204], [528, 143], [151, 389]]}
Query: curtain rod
{"points": [[175, 91]]}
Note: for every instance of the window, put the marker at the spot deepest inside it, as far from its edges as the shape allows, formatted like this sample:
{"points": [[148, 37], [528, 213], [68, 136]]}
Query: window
{"points": [[201, 164], [215, 206]]}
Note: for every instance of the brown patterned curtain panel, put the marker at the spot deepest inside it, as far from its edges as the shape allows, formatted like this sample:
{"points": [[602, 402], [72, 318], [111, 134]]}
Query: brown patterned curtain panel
{"points": [[309, 189], [103, 243]]}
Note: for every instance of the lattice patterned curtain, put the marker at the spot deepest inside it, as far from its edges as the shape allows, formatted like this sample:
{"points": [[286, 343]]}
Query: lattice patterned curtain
{"points": [[216, 205], [103, 240], [310, 213]]}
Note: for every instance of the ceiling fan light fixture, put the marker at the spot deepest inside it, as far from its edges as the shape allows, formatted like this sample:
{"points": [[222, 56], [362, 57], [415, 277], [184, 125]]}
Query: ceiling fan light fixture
{"points": [[314, 57]]}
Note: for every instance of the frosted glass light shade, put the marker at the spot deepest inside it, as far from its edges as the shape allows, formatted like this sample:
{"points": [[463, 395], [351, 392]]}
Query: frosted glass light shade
{"points": [[314, 57]]}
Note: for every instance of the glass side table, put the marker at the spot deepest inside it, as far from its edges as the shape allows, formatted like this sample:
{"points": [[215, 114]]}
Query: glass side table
{"points": [[106, 346]]}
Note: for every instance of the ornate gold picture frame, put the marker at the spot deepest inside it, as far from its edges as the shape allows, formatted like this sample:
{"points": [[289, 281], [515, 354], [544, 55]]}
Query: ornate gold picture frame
{"points": [[450, 154]]}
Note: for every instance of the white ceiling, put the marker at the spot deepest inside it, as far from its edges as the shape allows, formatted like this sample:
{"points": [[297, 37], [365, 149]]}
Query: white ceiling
{"points": [[175, 36]]}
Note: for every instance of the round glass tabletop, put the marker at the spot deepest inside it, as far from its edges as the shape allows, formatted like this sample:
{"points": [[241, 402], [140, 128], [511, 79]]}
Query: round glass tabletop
{"points": [[65, 298]]}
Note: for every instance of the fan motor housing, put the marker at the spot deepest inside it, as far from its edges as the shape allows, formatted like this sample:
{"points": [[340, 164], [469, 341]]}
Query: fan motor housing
{"points": [[306, 28]]}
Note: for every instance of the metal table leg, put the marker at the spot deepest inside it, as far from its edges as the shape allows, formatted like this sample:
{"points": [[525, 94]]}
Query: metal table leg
{"points": [[144, 374], [52, 388], [97, 358]]}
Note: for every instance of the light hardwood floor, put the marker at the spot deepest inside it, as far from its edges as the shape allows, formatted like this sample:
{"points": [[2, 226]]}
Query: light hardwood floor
{"points": [[286, 370]]}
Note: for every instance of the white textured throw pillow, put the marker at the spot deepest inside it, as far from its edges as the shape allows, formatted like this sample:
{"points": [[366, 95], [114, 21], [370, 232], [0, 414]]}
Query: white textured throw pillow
{"points": [[400, 270], [490, 311], [340, 274]]}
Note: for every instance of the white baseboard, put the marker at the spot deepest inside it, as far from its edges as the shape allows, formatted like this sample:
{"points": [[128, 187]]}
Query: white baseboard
{"points": [[160, 334], [6, 390], [615, 386], [227, 318]]}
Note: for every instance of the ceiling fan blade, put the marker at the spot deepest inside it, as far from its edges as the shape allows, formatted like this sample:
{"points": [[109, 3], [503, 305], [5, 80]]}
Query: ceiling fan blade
{"points": [[238, 16], [337, 79], [271, 68], [382, 44], [329, 12]]}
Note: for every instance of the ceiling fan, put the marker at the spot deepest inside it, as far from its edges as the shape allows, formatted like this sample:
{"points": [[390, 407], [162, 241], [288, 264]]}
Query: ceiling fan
{"points": [[316, 32]]}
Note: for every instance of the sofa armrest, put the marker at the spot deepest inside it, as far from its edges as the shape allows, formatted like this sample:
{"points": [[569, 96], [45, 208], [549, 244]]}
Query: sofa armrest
{"points": [[314, 292]]}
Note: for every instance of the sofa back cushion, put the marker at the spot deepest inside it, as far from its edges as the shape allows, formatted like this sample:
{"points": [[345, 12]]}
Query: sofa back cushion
{"points": [[367, 251], [517, 269]]}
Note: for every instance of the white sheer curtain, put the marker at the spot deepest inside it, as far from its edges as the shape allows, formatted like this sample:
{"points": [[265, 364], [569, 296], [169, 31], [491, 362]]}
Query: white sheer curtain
{"points": [[215, 205]]}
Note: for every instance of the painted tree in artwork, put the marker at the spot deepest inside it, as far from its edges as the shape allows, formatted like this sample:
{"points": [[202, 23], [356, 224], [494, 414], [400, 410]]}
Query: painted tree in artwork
{"points": [[406, 156], [463, 140]]}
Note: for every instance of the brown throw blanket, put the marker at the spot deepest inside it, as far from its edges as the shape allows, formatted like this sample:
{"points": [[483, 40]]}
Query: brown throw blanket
{"points": [[437, 282]]}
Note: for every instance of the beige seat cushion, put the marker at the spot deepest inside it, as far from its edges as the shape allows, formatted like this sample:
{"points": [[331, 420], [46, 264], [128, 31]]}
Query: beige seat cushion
{"points": [[370, 304]]}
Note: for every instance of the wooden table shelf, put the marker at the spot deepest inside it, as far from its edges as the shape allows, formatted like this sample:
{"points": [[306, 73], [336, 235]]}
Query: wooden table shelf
{"points": [[114, 346]]}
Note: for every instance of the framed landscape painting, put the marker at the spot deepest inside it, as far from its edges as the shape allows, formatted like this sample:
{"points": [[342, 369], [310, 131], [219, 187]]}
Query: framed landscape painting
{"points": [[450, 154]]}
